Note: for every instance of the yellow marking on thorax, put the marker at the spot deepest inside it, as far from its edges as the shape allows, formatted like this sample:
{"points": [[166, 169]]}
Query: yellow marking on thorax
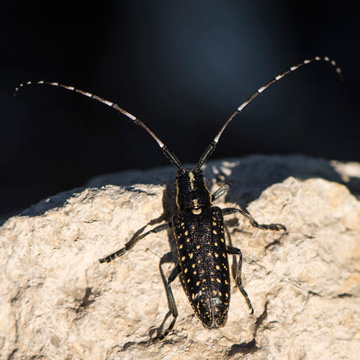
{"points": [[192, 179]]}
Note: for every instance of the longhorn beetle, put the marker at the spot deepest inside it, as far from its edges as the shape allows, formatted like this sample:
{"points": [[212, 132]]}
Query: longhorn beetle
{"points": [[198, 226]]}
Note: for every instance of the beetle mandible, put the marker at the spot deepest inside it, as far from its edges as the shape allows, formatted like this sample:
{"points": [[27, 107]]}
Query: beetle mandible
{"points": [[198, 226]]}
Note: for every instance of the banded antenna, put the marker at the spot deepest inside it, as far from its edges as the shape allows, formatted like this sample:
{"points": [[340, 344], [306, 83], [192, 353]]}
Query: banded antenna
{"points": [[167, 152], [210, 149]]}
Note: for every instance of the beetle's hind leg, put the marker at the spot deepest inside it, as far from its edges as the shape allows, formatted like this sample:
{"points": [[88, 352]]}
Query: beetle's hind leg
{"points": [[237, 275], [253, 222], [170, 298]]}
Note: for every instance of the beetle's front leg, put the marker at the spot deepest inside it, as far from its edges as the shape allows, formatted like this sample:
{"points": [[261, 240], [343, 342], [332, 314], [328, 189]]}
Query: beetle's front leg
{"points": [[224, 186], [253, 222], [221, 191]]}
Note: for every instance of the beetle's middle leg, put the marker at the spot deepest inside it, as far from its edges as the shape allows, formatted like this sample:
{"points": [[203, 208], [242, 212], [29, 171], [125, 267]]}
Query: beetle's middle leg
{"points": [[223, 189], [253, 222], [133, 241]]}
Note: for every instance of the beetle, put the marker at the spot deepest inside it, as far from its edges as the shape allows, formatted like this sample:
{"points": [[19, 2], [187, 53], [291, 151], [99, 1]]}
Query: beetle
{"points": [[198, 226]]}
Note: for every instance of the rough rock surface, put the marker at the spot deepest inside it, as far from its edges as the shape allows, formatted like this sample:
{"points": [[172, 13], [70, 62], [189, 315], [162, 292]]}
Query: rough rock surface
{"points": [[58, 302]]}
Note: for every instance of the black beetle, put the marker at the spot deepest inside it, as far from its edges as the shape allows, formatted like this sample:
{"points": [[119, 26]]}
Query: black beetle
{"points": [[198, 227]]}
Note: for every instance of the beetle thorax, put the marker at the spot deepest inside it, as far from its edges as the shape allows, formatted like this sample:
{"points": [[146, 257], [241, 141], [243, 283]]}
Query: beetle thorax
{"points": [[192, 192]]}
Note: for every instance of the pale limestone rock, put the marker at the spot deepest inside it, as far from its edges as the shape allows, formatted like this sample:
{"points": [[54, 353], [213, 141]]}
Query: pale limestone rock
{"points": [[58, 302]]}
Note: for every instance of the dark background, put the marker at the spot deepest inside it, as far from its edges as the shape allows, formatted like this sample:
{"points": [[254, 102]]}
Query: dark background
{"points": [[180, 66]]}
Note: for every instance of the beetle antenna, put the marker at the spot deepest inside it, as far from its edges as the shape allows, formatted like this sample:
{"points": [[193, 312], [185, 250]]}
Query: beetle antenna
{"points": [[167, 152], [210, 149]]}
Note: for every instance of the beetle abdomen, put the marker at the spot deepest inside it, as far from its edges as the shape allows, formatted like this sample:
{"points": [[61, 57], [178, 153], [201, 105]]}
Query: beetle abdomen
{"points": [[204, 264]]}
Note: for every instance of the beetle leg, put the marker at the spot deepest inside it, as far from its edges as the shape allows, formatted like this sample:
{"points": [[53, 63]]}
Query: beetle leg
{"points": [[133, 241], [221, 191], [253, 222], [170, 298], [237, 275], [224, 187]]}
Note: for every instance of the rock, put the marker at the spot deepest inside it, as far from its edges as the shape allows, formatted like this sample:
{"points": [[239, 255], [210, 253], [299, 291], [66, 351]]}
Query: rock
{"points": [[58, 302]]}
